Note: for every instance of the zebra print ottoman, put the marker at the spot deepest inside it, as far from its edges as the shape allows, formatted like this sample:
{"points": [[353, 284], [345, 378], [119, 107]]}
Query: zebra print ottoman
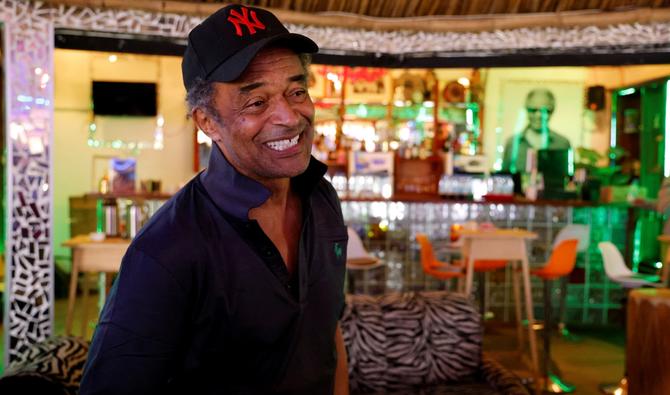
{"points": [[54, 366], [398, 341]]}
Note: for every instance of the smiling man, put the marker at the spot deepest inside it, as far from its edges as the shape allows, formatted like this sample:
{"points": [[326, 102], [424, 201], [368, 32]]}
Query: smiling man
{"points": [[236, 285]]}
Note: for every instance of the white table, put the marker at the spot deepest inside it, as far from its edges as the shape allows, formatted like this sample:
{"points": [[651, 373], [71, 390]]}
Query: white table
{"points": [[510, 245], [91, 256]]}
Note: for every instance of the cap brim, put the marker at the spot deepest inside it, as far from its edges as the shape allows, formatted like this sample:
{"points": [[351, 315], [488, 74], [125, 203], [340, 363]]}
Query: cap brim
{"points": [[234, 66]]}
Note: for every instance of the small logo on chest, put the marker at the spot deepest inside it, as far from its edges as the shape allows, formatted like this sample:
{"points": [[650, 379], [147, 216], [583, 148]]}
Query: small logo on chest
{"points": [[338, 250]]}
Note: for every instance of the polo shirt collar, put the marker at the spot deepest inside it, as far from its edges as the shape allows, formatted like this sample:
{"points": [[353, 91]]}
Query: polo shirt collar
{"points": [[236, 193]]}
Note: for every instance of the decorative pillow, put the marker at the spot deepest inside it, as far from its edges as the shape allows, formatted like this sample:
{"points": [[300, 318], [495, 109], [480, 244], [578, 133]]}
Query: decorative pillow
{"points": [[396, 341], [54, 366], [501, 378]]}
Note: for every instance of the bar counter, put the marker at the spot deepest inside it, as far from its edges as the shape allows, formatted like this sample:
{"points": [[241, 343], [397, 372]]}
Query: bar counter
{"points": [[390, 227]]}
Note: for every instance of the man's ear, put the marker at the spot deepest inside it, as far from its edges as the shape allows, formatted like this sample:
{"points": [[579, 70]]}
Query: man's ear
{"points": [[206, 123]]}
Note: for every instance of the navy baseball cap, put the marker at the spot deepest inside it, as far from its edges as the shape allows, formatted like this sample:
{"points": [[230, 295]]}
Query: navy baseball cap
{"points": [[223, 45]]}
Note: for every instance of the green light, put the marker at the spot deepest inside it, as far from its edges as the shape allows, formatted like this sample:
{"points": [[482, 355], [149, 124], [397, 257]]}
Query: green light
{"points": [[100, 216], [626, 92], [571, 162], [666, 132], [362, 111], [658, 265], [637, 246], [613, 122]]}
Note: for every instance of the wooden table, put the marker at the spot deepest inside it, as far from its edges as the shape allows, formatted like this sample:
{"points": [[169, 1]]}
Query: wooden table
{"points": [[648, 348], [90, 256], [665, 239], [509, 245]]}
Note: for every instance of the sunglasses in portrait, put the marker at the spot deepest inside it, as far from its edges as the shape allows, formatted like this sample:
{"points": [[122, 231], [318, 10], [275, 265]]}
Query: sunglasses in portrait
{"points": [[533, 110]]}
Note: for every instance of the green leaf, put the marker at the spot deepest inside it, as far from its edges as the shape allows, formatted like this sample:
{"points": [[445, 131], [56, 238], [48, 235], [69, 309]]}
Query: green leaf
{"points": [[589, 156], [616, 153], [620, 179]]}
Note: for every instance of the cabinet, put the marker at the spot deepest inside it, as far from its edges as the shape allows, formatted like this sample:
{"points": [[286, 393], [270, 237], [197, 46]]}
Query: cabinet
{"points": [[413, 114], [117, 215]]}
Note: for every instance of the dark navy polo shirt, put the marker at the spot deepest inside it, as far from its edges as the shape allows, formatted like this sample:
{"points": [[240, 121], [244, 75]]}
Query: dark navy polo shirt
{"points": [[204, 304]]}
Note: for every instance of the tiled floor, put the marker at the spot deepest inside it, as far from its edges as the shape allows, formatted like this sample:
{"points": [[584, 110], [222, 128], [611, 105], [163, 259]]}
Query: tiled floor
{"points": [[586, 359], [596, 355]]}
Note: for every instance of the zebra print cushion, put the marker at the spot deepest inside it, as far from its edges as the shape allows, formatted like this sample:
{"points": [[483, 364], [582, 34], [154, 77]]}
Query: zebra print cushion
{"points": [[396, 341], [55, 365], [500, 378]]}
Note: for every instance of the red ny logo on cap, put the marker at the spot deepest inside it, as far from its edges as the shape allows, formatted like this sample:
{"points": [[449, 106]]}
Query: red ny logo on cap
{"points": [[243, 19]]}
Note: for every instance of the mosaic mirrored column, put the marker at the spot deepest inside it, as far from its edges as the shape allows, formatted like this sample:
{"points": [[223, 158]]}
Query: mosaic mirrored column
{"points": [[28, 48]]}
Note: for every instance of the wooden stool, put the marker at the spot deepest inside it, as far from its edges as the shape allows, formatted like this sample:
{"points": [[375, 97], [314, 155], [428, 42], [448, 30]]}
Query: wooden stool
{"points": [[648, 344]]}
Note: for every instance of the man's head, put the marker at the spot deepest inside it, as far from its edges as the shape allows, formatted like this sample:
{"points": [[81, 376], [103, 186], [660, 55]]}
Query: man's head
{"points": [[246, 82], [539, 101]]}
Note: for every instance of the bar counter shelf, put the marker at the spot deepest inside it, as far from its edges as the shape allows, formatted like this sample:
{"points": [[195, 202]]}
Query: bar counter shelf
{"points": [[516, 200], [131, 196]]}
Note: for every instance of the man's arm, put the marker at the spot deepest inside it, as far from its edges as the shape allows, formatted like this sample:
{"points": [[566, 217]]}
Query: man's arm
{"points": [[341, 370]]}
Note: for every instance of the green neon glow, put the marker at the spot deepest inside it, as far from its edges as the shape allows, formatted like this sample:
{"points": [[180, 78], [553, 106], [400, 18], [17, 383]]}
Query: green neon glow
{"points": [[99, 213], [666, 132], [545, 127], [613, 121], [626, 92], [637, 236], [571, 162]]}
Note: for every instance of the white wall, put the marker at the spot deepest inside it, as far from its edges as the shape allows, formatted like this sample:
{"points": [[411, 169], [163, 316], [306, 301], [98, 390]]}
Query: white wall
{"points": [[73, 158]]}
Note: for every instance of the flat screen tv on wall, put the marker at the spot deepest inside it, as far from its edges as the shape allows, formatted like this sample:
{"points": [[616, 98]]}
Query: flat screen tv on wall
{"points": [[124, 98]]}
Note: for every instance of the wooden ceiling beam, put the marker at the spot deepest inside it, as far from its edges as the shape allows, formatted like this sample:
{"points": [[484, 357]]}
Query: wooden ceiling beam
{"points": [[430, 24]]}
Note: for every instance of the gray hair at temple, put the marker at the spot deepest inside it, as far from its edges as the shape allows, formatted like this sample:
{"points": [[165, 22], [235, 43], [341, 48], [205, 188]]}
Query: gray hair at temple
{"points": [[546, 93], [201, 94]]}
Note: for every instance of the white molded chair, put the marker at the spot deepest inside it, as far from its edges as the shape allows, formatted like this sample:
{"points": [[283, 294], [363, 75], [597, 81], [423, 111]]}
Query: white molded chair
{"points": [[358, 258], [575, 231], [357, 255], [617, 271]]}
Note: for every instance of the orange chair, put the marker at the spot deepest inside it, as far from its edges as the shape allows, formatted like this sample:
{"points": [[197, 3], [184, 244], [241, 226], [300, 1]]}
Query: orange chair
{"points": [[482, 266], [561, 262], [431, 265]]}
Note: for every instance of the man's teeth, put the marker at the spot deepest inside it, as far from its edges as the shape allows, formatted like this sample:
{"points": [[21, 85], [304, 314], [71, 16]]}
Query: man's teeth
{"points": [[281, 145]]}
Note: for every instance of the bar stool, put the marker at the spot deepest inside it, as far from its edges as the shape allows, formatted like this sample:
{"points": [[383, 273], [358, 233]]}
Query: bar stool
{"points": [[359, 259], [617, 271], [481, 267], [560, 264], [583, 234], [434, 267]]}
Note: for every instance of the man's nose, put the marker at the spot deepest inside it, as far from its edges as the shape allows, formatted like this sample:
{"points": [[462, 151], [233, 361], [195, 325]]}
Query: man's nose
{"points": [[285, 113]]}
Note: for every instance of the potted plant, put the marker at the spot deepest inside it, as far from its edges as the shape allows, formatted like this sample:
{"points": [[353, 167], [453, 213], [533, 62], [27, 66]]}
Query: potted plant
{"points": [[603, 182]]}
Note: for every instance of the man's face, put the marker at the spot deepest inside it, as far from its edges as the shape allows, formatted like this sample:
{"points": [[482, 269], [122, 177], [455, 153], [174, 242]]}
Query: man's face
{"points": [[534, 106], [266, 128]]}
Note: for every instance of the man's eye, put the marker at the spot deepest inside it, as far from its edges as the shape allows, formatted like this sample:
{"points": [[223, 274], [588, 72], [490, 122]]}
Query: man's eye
{"points": [[257, 103], [300, 94]]}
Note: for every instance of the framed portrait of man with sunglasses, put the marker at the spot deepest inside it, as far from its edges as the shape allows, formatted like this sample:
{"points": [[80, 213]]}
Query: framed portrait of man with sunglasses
{"points": [[540, 104]]}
